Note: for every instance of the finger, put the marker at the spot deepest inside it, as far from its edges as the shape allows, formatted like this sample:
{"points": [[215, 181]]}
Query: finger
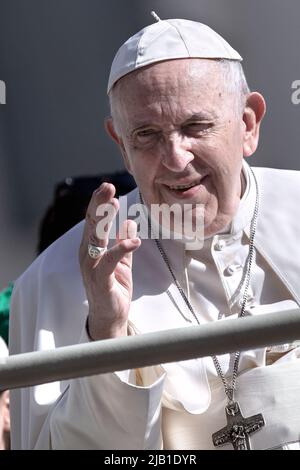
{"points": [[98, 235], [128, 231], [97, 230], [103, 196], [105, 215], [118, 253], [102, 209], [122, 251]]}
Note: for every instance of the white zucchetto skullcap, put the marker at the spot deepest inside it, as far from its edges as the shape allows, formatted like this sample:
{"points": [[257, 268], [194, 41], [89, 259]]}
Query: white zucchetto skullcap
{"points": [[166, 40]]}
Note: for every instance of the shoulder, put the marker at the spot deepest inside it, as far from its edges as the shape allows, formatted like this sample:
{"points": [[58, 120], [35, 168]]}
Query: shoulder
{"points": [[282, 185], [269, 175], [62, 255]]}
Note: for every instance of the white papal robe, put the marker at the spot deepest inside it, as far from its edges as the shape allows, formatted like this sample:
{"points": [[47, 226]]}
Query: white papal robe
{"points": [[179, 405]]}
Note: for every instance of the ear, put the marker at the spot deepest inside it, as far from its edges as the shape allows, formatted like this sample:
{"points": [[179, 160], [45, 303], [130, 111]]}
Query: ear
{"points": [[110, 129], [253, 114]]}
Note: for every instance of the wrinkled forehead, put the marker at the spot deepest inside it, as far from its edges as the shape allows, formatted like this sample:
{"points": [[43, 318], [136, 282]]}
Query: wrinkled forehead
{"points": [[185, 81], [171, 74]]}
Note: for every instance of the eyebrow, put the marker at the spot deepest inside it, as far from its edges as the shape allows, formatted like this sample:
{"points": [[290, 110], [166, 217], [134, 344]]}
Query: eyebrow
{"points": [[202, 116]]}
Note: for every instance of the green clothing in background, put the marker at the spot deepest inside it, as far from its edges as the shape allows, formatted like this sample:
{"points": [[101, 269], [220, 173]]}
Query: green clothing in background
{"points": [[5, 296]]}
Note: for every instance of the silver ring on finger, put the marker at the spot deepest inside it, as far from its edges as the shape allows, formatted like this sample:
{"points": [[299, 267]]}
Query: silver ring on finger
{"points": [[96, 251]]}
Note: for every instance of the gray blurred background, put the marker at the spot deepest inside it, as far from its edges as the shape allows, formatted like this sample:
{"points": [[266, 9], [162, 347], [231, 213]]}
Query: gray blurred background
{"points": [[55, 57]]}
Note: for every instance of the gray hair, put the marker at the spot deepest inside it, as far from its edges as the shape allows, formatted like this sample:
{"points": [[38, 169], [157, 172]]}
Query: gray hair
{"points": [[234, 80]]}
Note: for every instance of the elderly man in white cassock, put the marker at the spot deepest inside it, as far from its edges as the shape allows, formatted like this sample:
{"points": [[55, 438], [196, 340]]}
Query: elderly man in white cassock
{"points": [[185, 122]]}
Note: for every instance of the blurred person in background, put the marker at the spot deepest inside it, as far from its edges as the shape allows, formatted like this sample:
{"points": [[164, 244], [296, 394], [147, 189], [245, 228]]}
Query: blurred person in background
{"points": [[4, 407]]}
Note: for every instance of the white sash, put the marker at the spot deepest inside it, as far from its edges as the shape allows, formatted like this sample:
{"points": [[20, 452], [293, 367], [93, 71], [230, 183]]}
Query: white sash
{"points": [[273, 391]]}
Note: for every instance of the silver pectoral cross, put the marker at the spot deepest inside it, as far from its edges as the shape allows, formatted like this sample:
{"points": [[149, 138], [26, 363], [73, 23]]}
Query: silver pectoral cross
{"points": [[238, 428]]}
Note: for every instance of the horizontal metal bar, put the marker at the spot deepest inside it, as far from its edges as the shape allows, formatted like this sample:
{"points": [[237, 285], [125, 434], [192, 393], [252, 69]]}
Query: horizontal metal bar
{"points": [[24, 370]]}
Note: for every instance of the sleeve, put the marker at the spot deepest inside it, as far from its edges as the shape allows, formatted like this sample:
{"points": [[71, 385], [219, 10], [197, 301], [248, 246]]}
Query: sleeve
{"points": [[106, 412]]}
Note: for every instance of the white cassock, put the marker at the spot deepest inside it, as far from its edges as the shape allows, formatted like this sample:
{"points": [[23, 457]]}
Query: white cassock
{"points": [[178, 405]]}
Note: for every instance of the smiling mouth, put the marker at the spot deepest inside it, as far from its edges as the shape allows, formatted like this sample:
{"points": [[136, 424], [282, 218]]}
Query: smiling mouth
{"points": [[184, 187]]}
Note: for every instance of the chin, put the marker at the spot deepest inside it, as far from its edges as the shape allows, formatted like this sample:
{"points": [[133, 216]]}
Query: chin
{"points": [[214, 222]]}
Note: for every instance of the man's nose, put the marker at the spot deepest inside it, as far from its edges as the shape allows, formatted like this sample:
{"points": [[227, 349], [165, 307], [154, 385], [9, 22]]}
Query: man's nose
{"points": [[176, 153]]}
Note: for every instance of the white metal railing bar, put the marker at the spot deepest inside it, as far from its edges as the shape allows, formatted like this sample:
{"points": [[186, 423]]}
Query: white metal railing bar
{"points": [[178, 344]]}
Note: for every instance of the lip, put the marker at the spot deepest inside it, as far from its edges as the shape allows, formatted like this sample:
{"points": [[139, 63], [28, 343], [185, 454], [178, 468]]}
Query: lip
{"points": [[185, 193]]}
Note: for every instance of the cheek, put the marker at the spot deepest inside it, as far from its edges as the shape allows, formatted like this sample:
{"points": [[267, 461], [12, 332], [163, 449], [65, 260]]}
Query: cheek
{"points": [[212, 151], [126, 159], [144, 166], [142, 175]]}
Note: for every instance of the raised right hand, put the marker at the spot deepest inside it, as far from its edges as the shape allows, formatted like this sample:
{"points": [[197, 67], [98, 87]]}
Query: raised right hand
{"points": [[108, 279]]}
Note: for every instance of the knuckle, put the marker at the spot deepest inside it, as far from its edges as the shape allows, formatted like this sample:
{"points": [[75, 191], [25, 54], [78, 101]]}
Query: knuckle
{"points": [[88, 217]]}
